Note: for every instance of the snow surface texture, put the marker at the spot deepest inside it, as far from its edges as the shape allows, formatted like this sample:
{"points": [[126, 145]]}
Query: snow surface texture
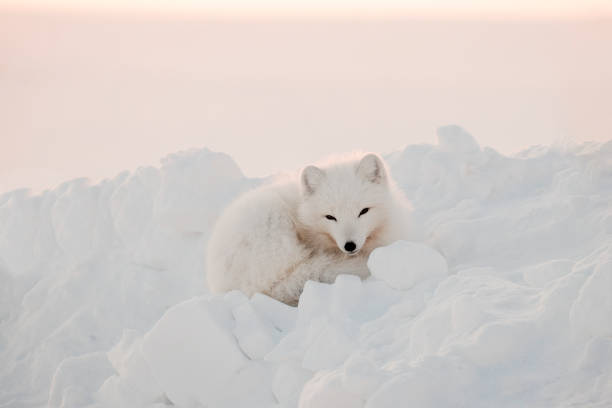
{"points": [[504, 299]]}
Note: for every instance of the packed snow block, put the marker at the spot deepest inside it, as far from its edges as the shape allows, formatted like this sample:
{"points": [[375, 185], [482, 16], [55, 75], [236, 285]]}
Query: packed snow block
{"points": [[383, 297], [433, 383], [281, 315], [195, 185], [256, 336], [464, 311], [192, 352], [325, 390], [81, 218], [350, 385], [250, 387], [324, 331], [6, 292], [606, 224], [402, 265], [329, 343], [455, 139], [26, 233], [314, 301], [591, 312], [134, 384], [541, 274], [591, 383], [288, 383], [500, 342], [230, 300], [318, 344], [346, 295], [406, 166], [76, 380], [131, 205], [291, 348], [596, 360], [361, 376]]}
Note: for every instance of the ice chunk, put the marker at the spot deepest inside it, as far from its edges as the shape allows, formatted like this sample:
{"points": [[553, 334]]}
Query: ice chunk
{"points": [[404, 264], [255, 335], [325, 390], [314, 301], [330, 344], [288, 383], [76, 380], [541, 274], [591, 313], [279, 314], [456, 139], [191, 354]]}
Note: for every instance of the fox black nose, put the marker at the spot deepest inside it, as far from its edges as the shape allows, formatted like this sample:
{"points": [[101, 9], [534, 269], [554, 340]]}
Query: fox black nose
{"points": [[350, 246]]}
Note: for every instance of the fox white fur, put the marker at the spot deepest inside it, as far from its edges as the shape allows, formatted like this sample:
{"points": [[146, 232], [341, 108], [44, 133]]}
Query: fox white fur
{"points": [[273, 239]]}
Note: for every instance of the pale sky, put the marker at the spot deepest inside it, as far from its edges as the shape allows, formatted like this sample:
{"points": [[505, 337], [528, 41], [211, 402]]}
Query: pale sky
{"points": [[367, 8], [90, 95]]}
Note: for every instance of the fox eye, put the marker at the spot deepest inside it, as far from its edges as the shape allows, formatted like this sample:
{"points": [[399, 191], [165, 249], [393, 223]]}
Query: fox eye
{"points": [[331, 217], [365, 210]]}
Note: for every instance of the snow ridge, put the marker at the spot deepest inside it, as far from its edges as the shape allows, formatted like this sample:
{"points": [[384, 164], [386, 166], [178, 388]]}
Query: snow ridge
{"points": [[503, 299]]}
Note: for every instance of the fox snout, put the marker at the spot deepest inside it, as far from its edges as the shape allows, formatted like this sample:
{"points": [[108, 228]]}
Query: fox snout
{"points": [[350, 246]]}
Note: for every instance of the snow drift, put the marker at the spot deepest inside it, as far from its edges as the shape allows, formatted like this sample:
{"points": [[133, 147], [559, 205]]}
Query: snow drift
{"points": [[503, 299]]}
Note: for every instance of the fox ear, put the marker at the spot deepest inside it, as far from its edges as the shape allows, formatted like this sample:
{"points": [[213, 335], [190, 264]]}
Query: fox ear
{"points": [[311, 179], [372, 169]]}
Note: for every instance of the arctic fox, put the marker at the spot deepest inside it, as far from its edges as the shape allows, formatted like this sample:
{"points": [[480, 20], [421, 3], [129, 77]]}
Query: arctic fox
{"points": [[275, 238]]}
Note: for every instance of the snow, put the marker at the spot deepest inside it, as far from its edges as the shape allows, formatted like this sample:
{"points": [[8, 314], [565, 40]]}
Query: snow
{"points": [[502, 298], [402, 265]]}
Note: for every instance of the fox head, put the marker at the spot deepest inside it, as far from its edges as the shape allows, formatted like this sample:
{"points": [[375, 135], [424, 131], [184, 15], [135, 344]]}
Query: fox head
{"points": [[346, 203]]}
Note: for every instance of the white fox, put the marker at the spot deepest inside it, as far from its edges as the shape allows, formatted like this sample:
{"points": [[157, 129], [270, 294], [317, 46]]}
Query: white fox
{"points": [[275, 238]]}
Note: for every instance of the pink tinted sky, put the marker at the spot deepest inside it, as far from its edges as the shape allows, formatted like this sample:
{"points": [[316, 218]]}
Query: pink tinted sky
{"points": [[250, 8], [87, 93]]}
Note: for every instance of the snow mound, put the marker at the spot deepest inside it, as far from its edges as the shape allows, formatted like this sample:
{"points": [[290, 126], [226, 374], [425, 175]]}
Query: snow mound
{"points": [[457, 140], [403, 265], [503, 297]]}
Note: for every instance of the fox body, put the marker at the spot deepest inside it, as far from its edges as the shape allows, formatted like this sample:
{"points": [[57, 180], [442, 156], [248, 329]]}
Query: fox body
{"points": [[326, 222]]}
